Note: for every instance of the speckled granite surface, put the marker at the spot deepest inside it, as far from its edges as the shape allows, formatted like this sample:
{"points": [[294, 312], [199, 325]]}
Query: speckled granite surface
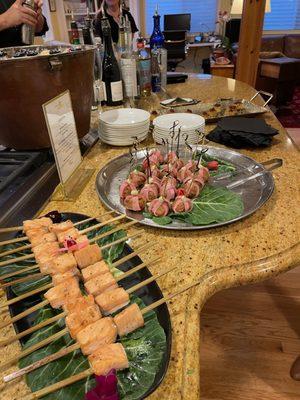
{"points": [[217, 258]]}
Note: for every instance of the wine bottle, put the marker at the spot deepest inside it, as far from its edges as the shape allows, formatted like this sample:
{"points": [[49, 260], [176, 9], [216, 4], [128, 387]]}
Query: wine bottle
{"points": [[155, 71], [111, 71], [87, 29], [157, 38]]}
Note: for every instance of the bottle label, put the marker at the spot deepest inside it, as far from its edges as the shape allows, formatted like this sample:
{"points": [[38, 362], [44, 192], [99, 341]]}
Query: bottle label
{"points": [[145, 74], [116, 91], [128, 69]]}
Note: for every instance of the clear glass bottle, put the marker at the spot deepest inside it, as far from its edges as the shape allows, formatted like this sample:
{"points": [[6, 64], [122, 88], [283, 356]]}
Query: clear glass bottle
{"points": [[143, 68]]}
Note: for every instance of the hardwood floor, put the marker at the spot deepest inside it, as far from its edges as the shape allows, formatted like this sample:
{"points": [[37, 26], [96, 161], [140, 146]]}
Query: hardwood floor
{"points": [[250, 338]]}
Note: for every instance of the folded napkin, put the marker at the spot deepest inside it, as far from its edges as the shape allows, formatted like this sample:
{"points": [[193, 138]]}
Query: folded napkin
{"points": [[239, 132]]}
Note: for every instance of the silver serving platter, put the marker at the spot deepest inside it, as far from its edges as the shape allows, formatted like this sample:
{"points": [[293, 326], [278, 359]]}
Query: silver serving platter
{"points": [[254, 193]]}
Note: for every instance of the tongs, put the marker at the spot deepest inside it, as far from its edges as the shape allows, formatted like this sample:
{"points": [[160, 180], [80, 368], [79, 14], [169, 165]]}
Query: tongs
{"points": [[270, 166]]}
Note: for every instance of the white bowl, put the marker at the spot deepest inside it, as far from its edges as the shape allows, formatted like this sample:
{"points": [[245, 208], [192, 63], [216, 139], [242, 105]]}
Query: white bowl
{"points": [[125, 116], [119, 142], [186, 121]]}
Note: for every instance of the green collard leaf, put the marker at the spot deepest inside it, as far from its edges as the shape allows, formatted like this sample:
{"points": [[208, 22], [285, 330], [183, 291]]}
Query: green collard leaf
{"points": [[215, 204], [162, 220]]}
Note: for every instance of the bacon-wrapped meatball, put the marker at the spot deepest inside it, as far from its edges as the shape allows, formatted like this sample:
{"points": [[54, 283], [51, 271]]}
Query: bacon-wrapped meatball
{"points": [[168, 190], [203, 173], [169, 180], [184, 173], [159, 207], [191, 188], [138, 178], [182, 204], [149, 192], [156, 181], [126, 188], [134, 202]]}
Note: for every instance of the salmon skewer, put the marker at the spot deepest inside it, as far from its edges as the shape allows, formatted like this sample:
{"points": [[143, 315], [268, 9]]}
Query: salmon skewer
{"points": [[94, 362], [45, 259], [36, 224], [87, 338], [48, 322], [46, 287], [61, 235]]}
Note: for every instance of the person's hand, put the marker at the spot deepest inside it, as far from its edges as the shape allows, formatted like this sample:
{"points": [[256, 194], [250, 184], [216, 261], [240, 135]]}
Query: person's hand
{"points": [[38, 4], [17, 14]]}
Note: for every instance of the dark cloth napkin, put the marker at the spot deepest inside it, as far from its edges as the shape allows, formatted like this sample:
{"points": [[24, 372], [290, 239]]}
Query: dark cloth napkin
{"points": [[239, 132]]}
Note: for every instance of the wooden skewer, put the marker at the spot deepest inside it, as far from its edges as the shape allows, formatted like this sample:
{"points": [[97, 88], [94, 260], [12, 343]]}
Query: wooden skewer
{"points": [[59, 385], [69, 349], [41, 289], [25, 313], [20, 228], [84, 231], [33, 329], [35, 347], [21, 271], [29, 256], [36, 267], [53, 319], [75, 378]]}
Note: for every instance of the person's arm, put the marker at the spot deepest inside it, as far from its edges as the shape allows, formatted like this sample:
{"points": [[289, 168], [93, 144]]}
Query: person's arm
{"points": [[17, 15]]}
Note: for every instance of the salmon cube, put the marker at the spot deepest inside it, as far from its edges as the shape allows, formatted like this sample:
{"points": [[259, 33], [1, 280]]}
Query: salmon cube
{"points": [[34, 234], [82, 239], [45, 238], [58, 295], [110, 356], [112, 300], [49, 249], [59, 278], [61, 227], [77, 321], [72, 233], [100, 283], [62, 264], [96, 335], [37, 223], [45, 258], [129, 320], [77, 304], [88, 255], [94, 270]]}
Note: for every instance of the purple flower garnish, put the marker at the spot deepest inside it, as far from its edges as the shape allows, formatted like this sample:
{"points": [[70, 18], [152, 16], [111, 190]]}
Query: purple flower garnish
{"points": [[106, 388]]}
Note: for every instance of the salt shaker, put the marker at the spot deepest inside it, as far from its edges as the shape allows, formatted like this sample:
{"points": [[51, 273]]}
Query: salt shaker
{"points": [[28, 30]]}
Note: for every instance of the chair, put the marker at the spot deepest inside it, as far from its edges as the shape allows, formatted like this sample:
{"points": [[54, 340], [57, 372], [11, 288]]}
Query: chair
{"points": [[175, 43]]}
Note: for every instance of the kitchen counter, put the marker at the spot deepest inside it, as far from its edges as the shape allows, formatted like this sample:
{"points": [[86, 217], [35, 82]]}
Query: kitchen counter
{"points": [[256, 248]]}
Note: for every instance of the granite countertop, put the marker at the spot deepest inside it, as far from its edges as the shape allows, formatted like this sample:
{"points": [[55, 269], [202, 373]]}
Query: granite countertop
{"points": [[260, 246]]}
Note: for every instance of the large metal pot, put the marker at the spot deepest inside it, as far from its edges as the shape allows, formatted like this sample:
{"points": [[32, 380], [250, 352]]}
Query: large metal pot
{"points": [[28, 82]]}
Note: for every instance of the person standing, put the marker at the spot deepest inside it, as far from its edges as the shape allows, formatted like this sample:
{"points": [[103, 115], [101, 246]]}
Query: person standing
{"points": [[13, 15], [113, 10]]}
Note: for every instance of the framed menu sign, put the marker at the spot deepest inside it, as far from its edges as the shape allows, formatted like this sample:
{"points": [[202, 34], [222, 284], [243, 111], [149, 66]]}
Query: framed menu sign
{"points": [[63, 135], [65, 144]]}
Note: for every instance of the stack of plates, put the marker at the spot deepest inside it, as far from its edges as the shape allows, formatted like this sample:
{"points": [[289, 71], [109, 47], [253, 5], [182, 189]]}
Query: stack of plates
{"points": [[190, 124], [123, 126]]}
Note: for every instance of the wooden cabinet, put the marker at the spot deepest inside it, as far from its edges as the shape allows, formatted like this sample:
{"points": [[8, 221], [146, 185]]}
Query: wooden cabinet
{"points": [[227, 71]]}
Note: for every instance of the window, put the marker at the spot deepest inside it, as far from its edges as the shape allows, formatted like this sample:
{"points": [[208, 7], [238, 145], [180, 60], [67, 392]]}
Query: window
{"points": [[203, 13], [284, 15]]}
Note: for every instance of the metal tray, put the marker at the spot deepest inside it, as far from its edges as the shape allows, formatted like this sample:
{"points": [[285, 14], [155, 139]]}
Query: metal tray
{"points": [[149, 294], [250, 108], [254, 193]]}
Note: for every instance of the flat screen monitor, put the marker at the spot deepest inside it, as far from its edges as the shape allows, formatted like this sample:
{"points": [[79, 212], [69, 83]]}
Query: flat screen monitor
{"points": [[177, 22]]}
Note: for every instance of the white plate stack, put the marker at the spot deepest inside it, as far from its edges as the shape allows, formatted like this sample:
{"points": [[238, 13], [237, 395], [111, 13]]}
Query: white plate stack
{"points": [[191, 125], [123, 126]]}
